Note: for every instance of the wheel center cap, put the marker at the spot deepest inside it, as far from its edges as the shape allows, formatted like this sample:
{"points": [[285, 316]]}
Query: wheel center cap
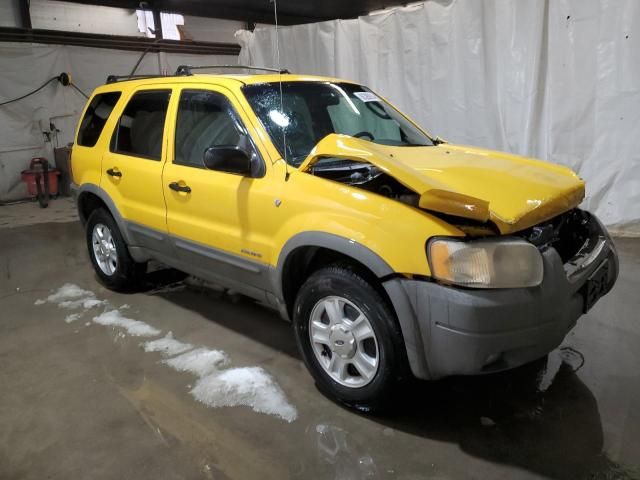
{"points": [[343, 343]]}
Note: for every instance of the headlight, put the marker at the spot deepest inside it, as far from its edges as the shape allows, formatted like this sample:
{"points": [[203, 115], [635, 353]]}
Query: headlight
{"points": [[505, 263]]}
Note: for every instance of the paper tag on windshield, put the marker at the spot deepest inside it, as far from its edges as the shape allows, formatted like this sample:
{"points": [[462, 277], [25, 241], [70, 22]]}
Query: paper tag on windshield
{"points": [[366, 96]]}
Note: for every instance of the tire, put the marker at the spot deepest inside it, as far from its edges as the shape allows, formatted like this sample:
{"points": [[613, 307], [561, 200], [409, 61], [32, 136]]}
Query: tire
{"points": [[343, 289], [110, 257]]}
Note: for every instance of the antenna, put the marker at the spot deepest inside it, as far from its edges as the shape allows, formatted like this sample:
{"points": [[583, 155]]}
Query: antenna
{"points": [[284, 134]]}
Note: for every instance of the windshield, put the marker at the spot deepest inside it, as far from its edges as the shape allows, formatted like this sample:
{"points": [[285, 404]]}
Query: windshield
{"points": [[313, 110]]}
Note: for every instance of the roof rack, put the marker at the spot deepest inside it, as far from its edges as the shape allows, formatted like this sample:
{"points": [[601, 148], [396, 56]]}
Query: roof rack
{"points": [[124, 78], [185, 70]]}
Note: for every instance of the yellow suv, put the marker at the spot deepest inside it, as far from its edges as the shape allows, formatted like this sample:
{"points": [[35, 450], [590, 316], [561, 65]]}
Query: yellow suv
{"points": [[392, 252]]}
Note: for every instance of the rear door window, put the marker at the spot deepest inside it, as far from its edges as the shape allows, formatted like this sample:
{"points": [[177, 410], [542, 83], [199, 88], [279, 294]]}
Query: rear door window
{"points": [[96, 117], [140, 128]]}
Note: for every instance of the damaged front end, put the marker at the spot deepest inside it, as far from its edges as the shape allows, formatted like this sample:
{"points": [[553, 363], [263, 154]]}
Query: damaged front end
{"points": [[578, 238], [365, 176], [481, 192], [370, 178]]}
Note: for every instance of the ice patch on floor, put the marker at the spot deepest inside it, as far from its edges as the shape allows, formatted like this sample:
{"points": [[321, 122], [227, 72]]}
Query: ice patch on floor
{"points": [[135, 328], [39, 302], [168, 346], [250, 386], [200, 362]]}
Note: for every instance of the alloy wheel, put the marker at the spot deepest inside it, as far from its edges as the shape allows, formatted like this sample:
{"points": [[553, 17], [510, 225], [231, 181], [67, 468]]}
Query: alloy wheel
{"points": [[344, 341], [104, 249]]}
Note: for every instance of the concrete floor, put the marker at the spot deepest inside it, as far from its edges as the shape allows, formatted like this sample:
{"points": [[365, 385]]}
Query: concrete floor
{"points": [[19, 214], [79, 400]]}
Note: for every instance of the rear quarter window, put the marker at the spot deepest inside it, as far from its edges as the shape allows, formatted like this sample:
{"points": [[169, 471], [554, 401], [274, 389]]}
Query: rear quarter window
{"points": [[96, 117]]}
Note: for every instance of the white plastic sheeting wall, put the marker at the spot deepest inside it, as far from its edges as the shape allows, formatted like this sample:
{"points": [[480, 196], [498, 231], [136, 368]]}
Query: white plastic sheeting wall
{"points": [[553, 79], [24, 67]]}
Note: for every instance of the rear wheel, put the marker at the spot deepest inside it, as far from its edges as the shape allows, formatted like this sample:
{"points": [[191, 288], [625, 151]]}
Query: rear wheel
{"points": [[109, 254], [349, 338]]}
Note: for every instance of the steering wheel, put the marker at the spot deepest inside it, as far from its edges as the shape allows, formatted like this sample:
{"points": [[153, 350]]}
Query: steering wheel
{"points": [[364, 133]]}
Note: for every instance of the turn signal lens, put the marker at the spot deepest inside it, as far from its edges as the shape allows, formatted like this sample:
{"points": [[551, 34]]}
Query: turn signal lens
{"points": [[504, 263]]}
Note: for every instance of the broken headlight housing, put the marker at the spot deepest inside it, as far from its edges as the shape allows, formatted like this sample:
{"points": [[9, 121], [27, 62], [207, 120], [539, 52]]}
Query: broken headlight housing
{"points": [[487, 263]]}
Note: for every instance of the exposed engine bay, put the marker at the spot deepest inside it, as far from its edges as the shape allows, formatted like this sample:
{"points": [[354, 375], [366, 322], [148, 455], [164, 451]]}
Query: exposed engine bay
{"points": [[567, 232], [371, 178], [365, 176]]}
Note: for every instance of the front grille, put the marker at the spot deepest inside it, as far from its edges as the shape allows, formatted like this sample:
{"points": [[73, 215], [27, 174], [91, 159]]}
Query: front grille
{"points": [[567, 233]]}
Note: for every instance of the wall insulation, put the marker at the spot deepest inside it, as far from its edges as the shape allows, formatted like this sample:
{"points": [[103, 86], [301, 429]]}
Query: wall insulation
{"points": [[24, 67], [557, 80]]}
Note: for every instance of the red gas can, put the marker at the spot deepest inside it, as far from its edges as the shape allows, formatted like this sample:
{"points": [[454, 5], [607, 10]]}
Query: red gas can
{"points": [[37, 168]]}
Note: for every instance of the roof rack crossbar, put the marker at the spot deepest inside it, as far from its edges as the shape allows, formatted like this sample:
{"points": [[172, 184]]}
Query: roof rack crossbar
{"points": [[119, 78], [185, 70]]}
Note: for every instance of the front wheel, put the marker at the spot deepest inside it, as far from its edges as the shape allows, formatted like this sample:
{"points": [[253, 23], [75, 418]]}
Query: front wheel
{"points": [[349, 338], [109, 254]]}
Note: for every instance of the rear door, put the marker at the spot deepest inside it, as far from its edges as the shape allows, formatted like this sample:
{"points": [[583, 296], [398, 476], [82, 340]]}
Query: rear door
{"points": [[93, 137], [132, 166]]}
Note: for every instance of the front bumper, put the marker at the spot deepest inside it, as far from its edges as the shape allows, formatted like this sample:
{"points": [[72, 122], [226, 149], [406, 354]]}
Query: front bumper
{"points": [[452, 331]]}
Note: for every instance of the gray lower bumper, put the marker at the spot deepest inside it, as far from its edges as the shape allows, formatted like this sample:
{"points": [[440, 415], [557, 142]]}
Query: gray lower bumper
{"points": [[452, 331]]}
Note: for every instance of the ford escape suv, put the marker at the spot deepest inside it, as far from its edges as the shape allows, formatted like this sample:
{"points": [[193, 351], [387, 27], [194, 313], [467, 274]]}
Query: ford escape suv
{"points": [[391, 252]]}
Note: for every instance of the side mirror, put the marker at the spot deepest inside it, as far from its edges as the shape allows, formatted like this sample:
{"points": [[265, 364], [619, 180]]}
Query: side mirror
{"points": [[228, 158]]}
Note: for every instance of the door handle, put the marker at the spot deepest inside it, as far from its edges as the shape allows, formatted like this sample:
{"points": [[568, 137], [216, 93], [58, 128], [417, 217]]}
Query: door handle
{"points": [[114, 172], [179, 188]]}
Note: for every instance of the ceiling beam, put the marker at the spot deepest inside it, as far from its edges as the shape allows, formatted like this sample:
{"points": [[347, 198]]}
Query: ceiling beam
{"points": [[212, 9], [118, 42]]}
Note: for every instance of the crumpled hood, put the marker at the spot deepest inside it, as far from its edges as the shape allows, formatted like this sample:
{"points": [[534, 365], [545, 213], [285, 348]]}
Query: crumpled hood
{"points": [[513, 192]]}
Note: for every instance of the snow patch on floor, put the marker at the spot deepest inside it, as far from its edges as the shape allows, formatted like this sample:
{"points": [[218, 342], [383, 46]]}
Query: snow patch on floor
{"points": [[72, 297], [168, 346], [250, 386], [68, 291], [72, 317], [85, 303], [200, 362], [135, 328], [215, 387]]}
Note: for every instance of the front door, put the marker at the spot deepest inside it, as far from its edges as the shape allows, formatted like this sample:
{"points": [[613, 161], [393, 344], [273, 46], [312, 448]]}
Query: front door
{"points": [[132, 168], [208, 211]]}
